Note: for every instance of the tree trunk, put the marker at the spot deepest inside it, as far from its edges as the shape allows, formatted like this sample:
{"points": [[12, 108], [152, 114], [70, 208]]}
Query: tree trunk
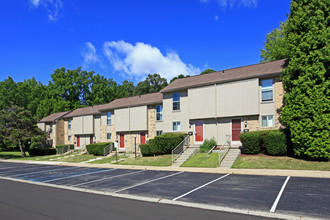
{"points": [[21, 148]]}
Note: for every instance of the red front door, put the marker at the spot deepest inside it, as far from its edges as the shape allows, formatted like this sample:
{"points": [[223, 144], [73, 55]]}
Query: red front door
{"points": [[78, 141], [91, 139], [122, 141], [235, 129], [199, 131], [143, 138]]}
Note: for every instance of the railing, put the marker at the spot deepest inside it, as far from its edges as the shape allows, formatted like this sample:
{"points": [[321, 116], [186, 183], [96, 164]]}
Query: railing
{"points": [[227, 142], [107, 150], [178, 150]]}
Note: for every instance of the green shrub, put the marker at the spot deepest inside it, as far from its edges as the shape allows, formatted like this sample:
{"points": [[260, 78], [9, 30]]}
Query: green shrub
{"points": [[41, 151], [251, 142], [146, 149], [71, 146], [165, 143], [272, 141], [97, 149], [275, 143], [207, 145]]}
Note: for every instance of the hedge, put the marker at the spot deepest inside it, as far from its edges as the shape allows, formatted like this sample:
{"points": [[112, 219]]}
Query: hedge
{"points": [[273, 141], [162, 144], [71, 146], [41, 151], [207, 145], [97, 149]]}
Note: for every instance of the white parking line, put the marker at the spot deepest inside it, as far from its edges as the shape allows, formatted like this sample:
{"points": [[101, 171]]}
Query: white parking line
{"points": [[26, 174], [200, 187], [279, 195], [106, 178], [8, 167], [47, 181], [148, 182]]}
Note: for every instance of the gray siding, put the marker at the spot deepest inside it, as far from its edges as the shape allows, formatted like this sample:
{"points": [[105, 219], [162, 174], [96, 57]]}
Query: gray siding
{"points": [[77, 125], [202, 102], [83, 125], [42, 126], [122, 119], [97, 126], [238, 98], [138, 118]]}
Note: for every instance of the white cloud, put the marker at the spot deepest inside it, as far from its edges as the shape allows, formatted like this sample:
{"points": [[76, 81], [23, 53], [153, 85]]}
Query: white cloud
{"points": [[141, 59], [235, 3], [53, 7], [89, 53], [216, 18]]}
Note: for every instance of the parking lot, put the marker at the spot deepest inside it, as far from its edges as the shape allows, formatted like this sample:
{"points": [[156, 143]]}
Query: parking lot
{"points": [[285, 195]]}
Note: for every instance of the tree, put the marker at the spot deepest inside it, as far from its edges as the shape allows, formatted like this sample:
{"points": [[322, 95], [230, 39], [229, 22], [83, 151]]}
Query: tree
{"points": [[207, 71], [276, 46], [125, 90], [306, 78], [103, 90], [181, 76], [153, 83], [17, 126]]}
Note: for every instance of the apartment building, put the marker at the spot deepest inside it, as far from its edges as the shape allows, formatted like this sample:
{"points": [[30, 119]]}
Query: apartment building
{"points": [[217, 105]]}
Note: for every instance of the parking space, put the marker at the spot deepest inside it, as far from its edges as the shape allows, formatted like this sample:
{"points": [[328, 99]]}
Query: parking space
{"points": [[294, 196]]}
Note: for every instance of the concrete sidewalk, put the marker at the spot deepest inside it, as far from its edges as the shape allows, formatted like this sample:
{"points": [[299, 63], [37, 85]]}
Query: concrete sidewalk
{"points": [[264, 172]]}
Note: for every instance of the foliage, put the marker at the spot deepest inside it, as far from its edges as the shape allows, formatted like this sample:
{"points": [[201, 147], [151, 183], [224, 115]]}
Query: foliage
{"points": [[275, 47], [125, 90], [306, 79], [275, 143], [207, 71], [41, 151], [153, 83], [207, 145], [250, 142], [181, 76], [97, 149], [71, 146], [17, 126]]}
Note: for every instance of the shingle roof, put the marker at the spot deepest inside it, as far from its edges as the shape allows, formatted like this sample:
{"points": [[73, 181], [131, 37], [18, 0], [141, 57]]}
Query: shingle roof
{"points": [[147, 99], [90, 110], [245, 72], [54, 116]]}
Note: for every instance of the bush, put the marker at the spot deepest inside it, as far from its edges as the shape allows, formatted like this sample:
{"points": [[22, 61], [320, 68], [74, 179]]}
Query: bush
{"points": [[275, 143], [41, 151], [71, 146], [162, 144], [207, 145], [97, 149]]}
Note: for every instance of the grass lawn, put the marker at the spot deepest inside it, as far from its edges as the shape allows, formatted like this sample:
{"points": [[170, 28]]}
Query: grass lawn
{"points": [[108, 159], [269, 162], [201, 160], [80, 158], [16, 155], [161, 160], [12, 155]]}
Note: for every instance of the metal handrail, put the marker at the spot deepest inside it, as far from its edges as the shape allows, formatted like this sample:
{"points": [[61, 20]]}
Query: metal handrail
{"points": [[107, 149], [183, 148], [226, 142]]}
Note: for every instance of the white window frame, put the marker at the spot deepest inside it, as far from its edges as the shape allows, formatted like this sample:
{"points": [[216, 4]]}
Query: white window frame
{"points": [[159, 132], [69, 137], [50, 128], [109, 118], [175, 95], [177, 124], [159, 113], [267, 120], [109, 134], [69, 124], [267, 89]]}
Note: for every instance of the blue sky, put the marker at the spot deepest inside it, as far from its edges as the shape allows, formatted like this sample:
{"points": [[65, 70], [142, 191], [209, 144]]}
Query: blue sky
{"points": [[128, 39]]}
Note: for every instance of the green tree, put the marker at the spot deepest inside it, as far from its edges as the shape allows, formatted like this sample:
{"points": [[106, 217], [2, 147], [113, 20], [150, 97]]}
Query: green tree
{"points": [[306, 78], [181, 76], [275, 46], [153, 83], [103, 90], [207, 71], [125, 90], [17, 126], [8, 91]]}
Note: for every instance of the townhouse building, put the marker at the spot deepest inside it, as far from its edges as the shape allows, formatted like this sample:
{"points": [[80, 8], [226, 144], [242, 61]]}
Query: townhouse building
{"points": [[217, 105]]}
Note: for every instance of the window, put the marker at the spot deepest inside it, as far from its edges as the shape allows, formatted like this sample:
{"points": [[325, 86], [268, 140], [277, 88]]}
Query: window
{"points": [[108, 118], [267, 90], [159, 133], [51, 128], [176, 126], [69, 137], [69, 124], [108, 136], [159, 115], [267, 121], [176, 101]]}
